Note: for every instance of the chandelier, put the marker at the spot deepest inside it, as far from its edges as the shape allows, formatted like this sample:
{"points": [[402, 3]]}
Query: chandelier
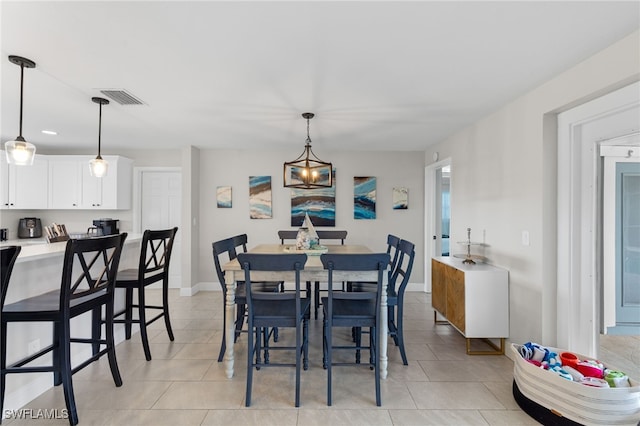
{"points": [[308, 171]]}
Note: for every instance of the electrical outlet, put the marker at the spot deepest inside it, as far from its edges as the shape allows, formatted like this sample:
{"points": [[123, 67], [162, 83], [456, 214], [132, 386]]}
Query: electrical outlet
{"points": [[34, 346]]}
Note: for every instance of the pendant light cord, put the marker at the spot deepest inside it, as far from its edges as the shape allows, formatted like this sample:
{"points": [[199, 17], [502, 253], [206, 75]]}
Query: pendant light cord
{"points": [[99, 129], [21, 91]]}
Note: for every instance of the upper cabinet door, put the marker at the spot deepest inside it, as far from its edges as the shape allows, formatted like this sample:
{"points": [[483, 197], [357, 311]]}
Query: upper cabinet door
{"points": [[24, 187], [64, 183]]}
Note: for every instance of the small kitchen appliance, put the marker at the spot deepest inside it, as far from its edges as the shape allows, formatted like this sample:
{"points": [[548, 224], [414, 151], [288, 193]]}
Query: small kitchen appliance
{"points": [[29, 227], [106, 226]]}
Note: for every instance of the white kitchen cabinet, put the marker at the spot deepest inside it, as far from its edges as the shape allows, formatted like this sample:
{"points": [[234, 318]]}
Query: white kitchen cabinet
{"points": [[71, 185], [473, 298], [24, 187]]}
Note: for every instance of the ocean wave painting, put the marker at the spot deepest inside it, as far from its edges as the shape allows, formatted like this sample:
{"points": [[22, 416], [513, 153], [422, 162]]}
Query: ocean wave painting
{"points": [[260, 197], [223, 197], [319, 203], [364, 197], [400, 198]]}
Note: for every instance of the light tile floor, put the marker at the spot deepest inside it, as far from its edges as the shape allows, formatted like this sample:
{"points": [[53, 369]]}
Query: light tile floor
{"points": [[185, 385]]}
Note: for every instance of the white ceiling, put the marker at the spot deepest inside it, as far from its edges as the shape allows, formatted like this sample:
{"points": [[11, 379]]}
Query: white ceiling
{"points": [[378, 75]]}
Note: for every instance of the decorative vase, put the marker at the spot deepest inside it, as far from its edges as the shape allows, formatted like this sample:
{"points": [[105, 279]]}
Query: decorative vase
{"points": [[303, 241]]}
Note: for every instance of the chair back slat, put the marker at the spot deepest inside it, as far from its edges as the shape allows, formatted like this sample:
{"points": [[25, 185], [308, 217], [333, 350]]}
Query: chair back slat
{"points": [[271, 262], [403, 267], [98, 259], [331, 235], [287, 235], [227, 248], [155, 254], [8, 256], [355, 262]]}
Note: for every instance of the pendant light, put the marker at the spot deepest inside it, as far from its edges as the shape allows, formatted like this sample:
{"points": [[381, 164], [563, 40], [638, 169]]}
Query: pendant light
{"points": [[308, 171], [19, 151], [98, 166]]}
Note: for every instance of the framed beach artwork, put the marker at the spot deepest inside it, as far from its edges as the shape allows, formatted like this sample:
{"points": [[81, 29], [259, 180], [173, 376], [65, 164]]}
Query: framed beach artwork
{"points": [[260, 197], [400, 198], [364, 197], [319, 203], [223, 197]]}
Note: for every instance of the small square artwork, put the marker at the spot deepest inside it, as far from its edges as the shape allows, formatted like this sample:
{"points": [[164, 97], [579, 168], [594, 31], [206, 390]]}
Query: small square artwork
{"points": [[400, 198], [223, 197], [260, 197], [364, 197]]}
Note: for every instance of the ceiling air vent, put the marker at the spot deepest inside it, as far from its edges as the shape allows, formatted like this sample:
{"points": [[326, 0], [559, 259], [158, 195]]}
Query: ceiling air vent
{"points": [[121, 96]]}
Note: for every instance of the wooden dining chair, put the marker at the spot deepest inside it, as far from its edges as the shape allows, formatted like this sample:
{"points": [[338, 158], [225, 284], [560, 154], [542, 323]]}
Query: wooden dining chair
{"points": [[395, 294], [353, 309], [88, 281], [153, 267], [268, 310], [224, 251]]}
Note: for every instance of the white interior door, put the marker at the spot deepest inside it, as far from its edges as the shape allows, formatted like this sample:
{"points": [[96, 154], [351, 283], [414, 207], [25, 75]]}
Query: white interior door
{"points": [[160, 203]]}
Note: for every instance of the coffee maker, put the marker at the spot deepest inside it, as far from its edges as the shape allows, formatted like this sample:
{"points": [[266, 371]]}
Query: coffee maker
{"points": [[106, 226]]}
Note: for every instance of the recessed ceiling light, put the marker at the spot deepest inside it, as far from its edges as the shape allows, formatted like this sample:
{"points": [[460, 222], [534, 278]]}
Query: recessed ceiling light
{"points": [[49, 132]]}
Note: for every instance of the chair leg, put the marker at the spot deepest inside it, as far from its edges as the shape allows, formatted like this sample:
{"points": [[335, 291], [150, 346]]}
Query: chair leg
{"points": [[358, 343], [165, 308], [305, 344], [3, 365], [250, 350], [376, 338], [400, 335], [240, 314], [111, 345], [55, 353], [329, 349], [65, 371], [298, 347], [128, 312], [96, 329], [316, 298], [223, 345], [143, 324]]}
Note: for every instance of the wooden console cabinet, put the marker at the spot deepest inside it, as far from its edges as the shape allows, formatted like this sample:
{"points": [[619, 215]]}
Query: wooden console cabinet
{"points": [[473, 298]]}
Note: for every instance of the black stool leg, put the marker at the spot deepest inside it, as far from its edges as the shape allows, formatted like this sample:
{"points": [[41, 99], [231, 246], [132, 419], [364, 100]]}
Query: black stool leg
{"points": [[128, 312], [143, 324], [3, 366], [165, 308], [55, 353], [64, 369], [111, 346]]}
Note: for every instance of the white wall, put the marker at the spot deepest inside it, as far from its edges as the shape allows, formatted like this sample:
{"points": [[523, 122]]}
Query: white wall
{"points": [[233, 168], [504, 182]]}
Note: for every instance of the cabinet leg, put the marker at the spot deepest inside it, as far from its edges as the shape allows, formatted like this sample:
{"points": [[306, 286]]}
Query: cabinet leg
{"points": [[498, 350]]}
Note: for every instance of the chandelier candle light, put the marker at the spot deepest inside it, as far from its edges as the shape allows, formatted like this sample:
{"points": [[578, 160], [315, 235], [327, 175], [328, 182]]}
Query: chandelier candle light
{"points": [[98, 166], [19, 151], [308, 171]]}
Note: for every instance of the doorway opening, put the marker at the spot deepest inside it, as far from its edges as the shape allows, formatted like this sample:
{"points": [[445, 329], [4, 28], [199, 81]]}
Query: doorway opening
{"points": [[437, 214]]}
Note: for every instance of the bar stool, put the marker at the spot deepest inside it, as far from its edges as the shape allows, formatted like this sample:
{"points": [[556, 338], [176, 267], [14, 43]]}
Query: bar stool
{"points": [[88, 282], [155, 254]]}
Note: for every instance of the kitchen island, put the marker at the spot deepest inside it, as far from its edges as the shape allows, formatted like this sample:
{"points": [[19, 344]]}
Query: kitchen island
{"points": [[38, 270]]}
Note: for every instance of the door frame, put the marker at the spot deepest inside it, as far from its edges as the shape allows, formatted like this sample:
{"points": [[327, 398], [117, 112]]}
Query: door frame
{"points": [[579, 240], [431, 216]]}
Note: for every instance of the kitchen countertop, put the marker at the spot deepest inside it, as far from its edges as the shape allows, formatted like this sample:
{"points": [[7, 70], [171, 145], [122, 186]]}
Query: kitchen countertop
{"points": [[38, 248]]}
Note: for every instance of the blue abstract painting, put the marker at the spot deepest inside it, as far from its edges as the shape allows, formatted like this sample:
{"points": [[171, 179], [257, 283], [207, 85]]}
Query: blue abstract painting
{"points": [[260, 197], [364, 197], [319, 203]]}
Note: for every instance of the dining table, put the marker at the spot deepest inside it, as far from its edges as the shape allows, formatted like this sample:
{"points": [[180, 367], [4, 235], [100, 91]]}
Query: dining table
{"points": [[313, 271]]}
